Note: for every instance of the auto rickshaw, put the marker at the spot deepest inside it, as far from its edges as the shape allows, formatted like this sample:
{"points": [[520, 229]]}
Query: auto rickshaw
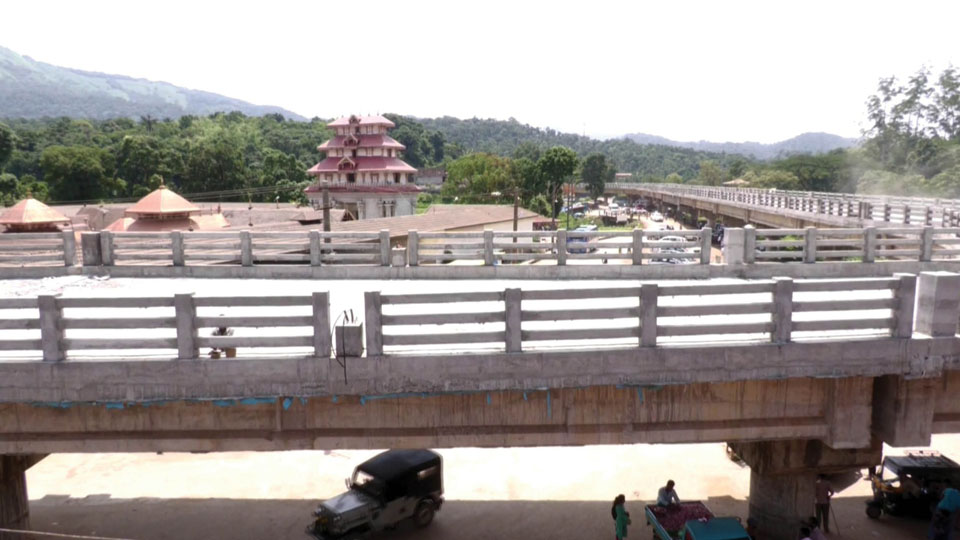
{"points": [[911, 485]]}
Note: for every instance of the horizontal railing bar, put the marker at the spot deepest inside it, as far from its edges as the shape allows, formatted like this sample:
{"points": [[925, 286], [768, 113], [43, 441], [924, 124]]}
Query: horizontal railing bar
{"points": [[717, 309], [254, 322], [244, 301], [845, 285], [442, 339], [259, 341], [20, 344], [442, 298], [432, 235], [140, 256], [13, 237], [727, 288], [576, 294], [117, 302], [779, 255], [281, 257], [24, 258], [125, 322], [580, 314], [115, 343], [444, 318], [19, 324], [846, 324], [433, 247], [714, 329], [582, 334], [527, 256], [844, 305], [18, 303]]}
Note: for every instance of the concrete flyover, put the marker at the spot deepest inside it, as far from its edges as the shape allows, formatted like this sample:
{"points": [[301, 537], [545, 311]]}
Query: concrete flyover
{"points": [[801, 376], [794, 209]]}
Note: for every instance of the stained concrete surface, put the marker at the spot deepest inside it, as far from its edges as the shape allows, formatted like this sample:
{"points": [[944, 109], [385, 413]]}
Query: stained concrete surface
{"points": [[528, 493]]}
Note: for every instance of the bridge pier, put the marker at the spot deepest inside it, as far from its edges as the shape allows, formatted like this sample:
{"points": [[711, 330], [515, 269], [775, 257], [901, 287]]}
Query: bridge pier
{"points": [[782, 477], [14, 504]]}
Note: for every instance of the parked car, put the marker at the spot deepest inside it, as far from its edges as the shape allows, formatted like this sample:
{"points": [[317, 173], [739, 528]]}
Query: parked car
{"points": [[573, 237], [578, 215], [668, 254], [389, 488], [656, 216], [911, 485]]}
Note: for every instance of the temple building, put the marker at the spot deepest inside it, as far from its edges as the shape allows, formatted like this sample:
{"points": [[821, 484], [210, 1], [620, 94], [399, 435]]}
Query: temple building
{"points": [[163, 210], [363, 169], [31, 215]]}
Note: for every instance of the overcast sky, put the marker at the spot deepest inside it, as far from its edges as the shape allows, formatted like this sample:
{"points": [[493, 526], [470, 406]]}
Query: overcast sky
{"points": [[712, 70]]}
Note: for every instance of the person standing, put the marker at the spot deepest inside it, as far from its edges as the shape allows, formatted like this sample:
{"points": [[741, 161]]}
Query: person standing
{"points": [[945, 518], [620, 516], [823, 492], [667, 495]]}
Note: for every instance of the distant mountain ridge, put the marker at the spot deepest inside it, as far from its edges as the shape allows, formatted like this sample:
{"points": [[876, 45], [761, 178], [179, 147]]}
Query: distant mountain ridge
{"points": [[31, 89], [805, 143]]}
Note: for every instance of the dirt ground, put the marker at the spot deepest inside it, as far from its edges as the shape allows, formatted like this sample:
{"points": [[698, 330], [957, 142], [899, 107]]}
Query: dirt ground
{"points": [[529, 493]]}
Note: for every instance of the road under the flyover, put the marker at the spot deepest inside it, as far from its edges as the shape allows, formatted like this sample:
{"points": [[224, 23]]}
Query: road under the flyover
{"points": [[531, 493]]}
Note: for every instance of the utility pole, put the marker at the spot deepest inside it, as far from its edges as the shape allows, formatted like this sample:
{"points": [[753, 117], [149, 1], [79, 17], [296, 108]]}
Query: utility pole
{"points": [[516, 210], [325, 189]]}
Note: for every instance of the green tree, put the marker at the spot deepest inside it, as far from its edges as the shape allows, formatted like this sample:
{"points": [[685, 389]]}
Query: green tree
{"points": [[595, 173], [9, 189], [711, 174], [673, 178], [556, 167], [475, 178], [215, 163], [75, 172], [6, 143], [773, 178]]}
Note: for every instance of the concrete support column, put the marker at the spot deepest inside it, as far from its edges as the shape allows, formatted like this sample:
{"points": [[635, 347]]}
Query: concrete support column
{"points": [[384, 247], [177, 248], [14, 504], [488, 247], [316, 254], [636, 250], [903, 410], [783, 474], [413, 248], [373, 309], [69, 248], [561, 247]]}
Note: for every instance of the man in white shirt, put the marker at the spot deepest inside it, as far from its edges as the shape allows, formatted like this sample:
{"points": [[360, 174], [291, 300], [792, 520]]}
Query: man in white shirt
{"points": [[667, 495]]}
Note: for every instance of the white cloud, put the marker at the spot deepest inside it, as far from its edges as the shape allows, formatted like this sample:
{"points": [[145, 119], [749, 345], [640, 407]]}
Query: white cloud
{"points": [[685, 70]]}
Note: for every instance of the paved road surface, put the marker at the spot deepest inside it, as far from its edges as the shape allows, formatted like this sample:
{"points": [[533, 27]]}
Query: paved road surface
{"points": [[528, 493]]}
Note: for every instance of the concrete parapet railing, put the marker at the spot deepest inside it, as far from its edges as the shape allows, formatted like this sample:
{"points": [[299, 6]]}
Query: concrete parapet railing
{"points": [[781, 310], [515, 320], [533, 252], [38, 249], [162, 326], [917, 211]]}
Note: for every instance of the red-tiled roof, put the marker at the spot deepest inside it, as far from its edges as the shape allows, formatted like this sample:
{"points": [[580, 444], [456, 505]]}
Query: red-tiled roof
{"points": [[367, 188], [32, 212], [438, 218], [365, 141], [364, 164], [162, 201], [364, 121], [213, 222]]}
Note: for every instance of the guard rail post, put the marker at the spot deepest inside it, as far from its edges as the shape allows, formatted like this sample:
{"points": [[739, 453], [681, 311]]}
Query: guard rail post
{"points": [[782, 310], [316, 252], [926, 244], [749, 244], [636, 250], [186, 312], [51, 328], [706, 245], [928, 216], [321, 324], [561, 247], [487, 247], [413, 248], [384, 247], [905, 293], [869, 244], [246, 248], [373, 322], [176, 247], [938, 304], [733, 246], [69, 248], [886, 212], [649, 293], [906, 214], [810, 245], [90, 245], [106, 248], [513, 320]]}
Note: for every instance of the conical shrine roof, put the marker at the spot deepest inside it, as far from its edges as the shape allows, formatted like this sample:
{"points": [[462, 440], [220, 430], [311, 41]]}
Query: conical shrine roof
{"points": [[32, 212], [162, 201]]}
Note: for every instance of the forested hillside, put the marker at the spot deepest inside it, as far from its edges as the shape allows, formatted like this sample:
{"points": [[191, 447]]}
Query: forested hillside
{"points": [[805, 143], [31, 89], [510, 137]]}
